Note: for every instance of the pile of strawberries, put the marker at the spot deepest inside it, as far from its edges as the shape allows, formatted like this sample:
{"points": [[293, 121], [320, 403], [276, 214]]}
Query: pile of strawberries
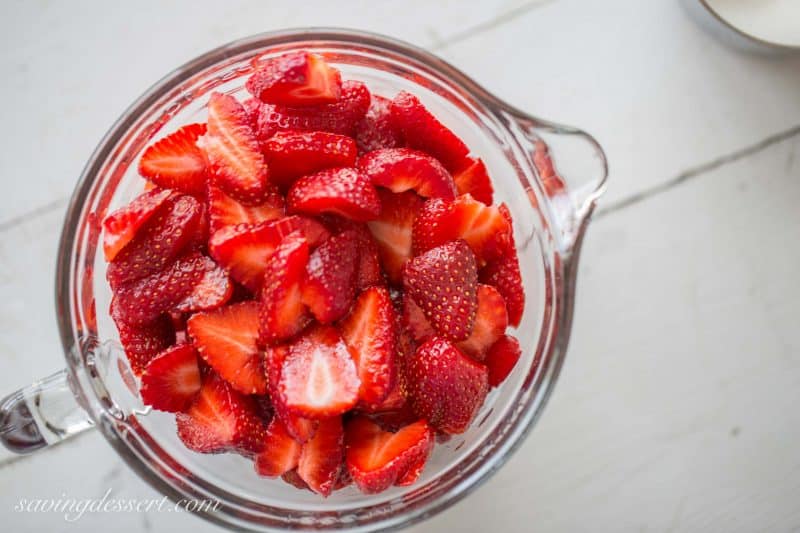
{"points": [[315, 278]]}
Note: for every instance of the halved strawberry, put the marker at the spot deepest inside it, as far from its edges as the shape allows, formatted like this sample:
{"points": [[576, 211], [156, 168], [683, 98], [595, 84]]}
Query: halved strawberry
{"points": [[295, 79], [369, 266], [484, 227], [319, 377], [376, 458], [121, 226], [423, 131], [411, 475], [443, 281], [473, 178], [175, 162], [370, 333], [220, 419], [414, 320], [338, 117], [322, 456], [232, 151], [329, 286], [172, 379], [376, 130], [504, 274], [404, 169], [193, 282], [168, 234], [301, 429], [142, 343], [225, 211], [341, 191], [491, 321], [282, 313], [446, 387], [293, 154], [393, 230], [227, 340], [281, 452], [501, 359]]}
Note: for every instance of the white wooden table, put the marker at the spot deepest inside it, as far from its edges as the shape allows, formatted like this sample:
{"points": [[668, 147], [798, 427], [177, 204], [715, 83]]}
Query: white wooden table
{"points": [[677, 409]]}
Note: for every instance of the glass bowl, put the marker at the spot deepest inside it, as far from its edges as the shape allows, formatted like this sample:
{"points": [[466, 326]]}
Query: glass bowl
{"points": [[551, 210]]}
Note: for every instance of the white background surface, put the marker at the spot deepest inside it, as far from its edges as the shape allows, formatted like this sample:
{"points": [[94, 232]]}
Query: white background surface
{"points": [[677, 409]]}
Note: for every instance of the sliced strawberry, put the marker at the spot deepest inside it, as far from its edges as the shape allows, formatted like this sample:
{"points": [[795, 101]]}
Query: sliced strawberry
{"points": [[491, 321], [504, 274], [484, 227], [282, 313], [473, 178], [319, 377], [501, 359], [295, 79], [226, 339], [142, 343], [444, 281], [329, 286], [293, 154], [404, 169], [411, 475], [369, 267], [394, 419], [172, 379], [338, 117], [322, 457], [414, 320], [281, 452], [225, 211], [245, 250], [293, 478], [175, 162], [446, 387], [220, 419], [341, 191], [191, 283], [376, 129], [392, 230], [232, 151], [376, 458], [370, 333], [169, 232], [121, 226], [298, 427], [423, 131]]}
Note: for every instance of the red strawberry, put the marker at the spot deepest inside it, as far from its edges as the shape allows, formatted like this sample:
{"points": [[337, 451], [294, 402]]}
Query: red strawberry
{"points": [[369, 267], [403, 169], [282, 313], [169, 232], [473, 178], [341, 191], [423, 131], [321, 459], [484, 227], [501, 359], [491, 321], [142, 343], [121, 226], [319, 377], [220, 419], [445, 386], [338, 117], [175, 162], [191, 283], [232, 151], [412, 474], [504, 274], [329, 286], [443, 281], [295, 79], [225, 211], [226, 339], [376, 130], [298, 427], [393, 230], [281, 452], [415, 321], [376, 458], [293, 478], [172, 379], [292, 154], [370, 333]]}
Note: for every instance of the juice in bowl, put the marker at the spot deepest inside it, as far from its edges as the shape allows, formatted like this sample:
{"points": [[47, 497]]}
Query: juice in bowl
{"points": [[319, 277]]}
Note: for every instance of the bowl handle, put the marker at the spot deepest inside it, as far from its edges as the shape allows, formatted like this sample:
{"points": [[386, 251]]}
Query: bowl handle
{"points": [[40, 415]]}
